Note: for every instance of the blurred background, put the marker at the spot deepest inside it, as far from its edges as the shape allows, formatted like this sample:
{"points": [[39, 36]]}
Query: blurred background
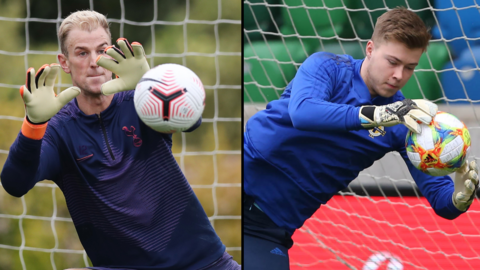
{"points": [[280, 34], [381, 220], [36, 231]]}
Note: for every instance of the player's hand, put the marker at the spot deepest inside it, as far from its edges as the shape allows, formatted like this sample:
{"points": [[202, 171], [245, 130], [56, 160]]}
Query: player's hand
{"points": [[41, 102], [129, 64], [406, 112], [466, 184]]}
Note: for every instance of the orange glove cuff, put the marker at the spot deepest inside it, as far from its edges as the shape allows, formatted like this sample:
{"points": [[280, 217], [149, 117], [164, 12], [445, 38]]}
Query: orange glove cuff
{"points": [[32, 131]]}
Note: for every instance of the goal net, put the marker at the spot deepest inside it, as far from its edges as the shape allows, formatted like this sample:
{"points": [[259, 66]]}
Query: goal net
{"points": [[36, 231], [381, 221]]}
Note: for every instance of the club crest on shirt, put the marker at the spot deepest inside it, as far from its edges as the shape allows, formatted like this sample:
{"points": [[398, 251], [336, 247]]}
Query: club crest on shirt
{"points": [[377, 131], [130, 132]]}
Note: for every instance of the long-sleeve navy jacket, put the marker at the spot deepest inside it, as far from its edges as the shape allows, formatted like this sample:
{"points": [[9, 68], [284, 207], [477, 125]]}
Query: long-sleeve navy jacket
{"points": [[129, 201]]}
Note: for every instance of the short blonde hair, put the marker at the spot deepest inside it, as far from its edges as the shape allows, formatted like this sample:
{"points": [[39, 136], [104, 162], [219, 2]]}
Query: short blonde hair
{"points": [[404, 26], [87, 20]]}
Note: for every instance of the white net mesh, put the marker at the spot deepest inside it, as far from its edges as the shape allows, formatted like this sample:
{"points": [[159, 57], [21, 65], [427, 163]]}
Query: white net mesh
{"points": [[36, 231], [381, 221]]}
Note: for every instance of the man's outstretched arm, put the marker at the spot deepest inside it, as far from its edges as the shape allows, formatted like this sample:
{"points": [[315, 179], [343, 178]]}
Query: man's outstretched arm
{"points": [[33, 158]]}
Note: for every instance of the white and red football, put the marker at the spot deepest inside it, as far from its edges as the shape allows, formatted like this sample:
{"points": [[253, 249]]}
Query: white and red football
{"points": [[169, 98]]}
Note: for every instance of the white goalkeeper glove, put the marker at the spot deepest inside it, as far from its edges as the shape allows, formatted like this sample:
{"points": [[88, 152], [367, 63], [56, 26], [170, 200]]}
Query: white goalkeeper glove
{"points": [[466, 184], [129, 64], [41, 102], [406, 112]]}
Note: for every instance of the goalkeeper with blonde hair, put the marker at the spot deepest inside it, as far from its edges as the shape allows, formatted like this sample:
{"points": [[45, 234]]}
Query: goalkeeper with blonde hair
{"points": [[129, 201], [313, 141]]}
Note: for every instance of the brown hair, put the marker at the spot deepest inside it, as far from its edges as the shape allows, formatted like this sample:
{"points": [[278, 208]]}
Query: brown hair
{"points": [[404, 26], [87, 20]]}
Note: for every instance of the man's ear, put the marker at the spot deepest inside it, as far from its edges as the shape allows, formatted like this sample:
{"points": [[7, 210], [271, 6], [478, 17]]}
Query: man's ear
{"points": [[62, 59], [370, 48]]}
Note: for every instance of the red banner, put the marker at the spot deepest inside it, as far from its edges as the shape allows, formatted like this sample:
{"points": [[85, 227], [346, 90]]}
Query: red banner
{"points": [[386, 233]]}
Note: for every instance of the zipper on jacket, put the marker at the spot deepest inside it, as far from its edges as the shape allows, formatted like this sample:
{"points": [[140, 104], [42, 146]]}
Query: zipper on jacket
{"points": [[105, 135]]}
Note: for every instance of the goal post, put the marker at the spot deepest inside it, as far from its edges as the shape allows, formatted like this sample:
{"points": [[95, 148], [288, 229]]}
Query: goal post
{"points": [[36, 231], [381, 220]]}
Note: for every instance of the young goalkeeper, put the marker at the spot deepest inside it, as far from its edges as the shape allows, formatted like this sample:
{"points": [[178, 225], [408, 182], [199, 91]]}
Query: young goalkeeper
{"points": [[314, 140], [129, 201]]}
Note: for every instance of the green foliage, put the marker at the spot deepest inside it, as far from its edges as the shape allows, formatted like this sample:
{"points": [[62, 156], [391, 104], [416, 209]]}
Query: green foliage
{"points": [[195, 45]]}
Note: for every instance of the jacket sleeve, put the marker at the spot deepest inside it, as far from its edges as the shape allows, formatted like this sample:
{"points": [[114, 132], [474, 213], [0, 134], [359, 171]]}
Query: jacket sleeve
{"points": [[311, 106], [437, 190], [28, 162]]}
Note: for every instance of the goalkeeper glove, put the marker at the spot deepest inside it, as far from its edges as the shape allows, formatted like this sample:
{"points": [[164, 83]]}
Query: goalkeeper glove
{"points": [[41, 102], [406, 112], [129, 64], [466, 183]]}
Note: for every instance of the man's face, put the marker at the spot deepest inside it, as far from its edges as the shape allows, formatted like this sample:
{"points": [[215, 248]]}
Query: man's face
{"points": [[83, 49], [391, 64]]}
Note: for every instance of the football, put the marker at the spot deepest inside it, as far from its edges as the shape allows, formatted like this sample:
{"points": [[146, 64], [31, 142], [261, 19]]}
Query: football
{"points": [[441, 148], [169, 98]]}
